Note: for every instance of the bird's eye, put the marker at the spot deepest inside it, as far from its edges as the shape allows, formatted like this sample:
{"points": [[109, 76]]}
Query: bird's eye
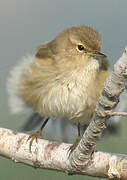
{"points": [[80, 47]]}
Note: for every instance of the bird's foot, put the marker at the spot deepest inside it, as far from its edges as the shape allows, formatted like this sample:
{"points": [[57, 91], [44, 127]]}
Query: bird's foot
{"points": [[36, 136], [72, 148]]}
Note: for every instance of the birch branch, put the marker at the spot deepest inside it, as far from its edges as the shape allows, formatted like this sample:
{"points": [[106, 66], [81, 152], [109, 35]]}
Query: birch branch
{"points": [[83, 160], [52, 155]]}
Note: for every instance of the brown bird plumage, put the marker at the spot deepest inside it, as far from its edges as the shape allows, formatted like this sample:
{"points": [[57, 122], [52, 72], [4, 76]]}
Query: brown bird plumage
{"points": [[65, 77]]}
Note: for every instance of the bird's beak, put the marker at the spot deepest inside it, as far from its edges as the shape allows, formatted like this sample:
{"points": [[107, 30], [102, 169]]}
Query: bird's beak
{"points": [[98, 54]]}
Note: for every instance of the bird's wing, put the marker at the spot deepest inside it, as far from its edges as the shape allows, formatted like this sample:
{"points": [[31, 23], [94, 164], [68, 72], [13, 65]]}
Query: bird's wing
{"points": [[43, 51]]}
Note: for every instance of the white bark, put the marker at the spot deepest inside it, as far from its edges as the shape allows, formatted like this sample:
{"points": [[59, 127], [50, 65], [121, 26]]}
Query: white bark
{"points": [[51, 155], [83, 160]]}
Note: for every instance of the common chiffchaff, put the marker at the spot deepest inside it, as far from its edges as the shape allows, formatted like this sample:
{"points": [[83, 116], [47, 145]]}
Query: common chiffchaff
{"points": [[63, 79]]}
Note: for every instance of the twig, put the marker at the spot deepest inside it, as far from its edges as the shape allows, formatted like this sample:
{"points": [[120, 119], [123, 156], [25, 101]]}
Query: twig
{"points": [[117, 114]]}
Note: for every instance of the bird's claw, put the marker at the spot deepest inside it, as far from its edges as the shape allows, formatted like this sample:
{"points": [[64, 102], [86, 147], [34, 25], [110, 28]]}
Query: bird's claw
{"points": [[32, 137], [72, 147]]}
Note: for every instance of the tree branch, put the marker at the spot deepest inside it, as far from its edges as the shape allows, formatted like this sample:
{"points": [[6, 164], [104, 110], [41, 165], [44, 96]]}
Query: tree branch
{"points": [[83, 160], [51, 155]]}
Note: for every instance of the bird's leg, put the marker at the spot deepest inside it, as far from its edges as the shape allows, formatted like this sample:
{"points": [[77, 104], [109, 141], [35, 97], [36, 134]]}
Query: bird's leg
{"points": [[71, 149], [38, 134], [79, 133]]}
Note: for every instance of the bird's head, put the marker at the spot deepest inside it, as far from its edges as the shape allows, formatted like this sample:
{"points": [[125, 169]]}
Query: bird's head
{"points": [[76, 45]]}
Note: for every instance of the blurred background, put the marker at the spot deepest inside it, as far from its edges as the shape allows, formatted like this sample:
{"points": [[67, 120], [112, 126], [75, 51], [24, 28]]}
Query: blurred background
{"points": [[26, 24]]}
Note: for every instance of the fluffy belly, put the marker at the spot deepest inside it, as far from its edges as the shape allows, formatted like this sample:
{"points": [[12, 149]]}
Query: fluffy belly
{"points": [[75, 104]]}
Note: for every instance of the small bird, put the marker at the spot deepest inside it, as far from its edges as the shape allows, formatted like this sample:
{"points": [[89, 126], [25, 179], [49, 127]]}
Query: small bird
{"points": [[64, 79]]}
